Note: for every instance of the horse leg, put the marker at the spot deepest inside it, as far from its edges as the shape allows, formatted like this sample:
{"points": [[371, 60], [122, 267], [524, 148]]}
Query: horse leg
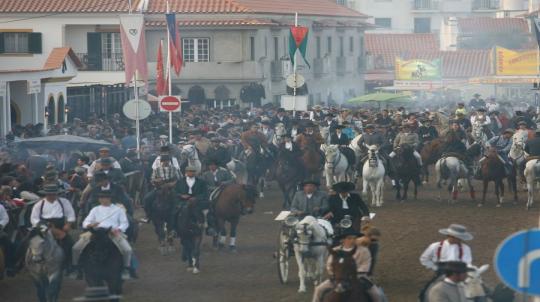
{"points": [[530, 193], [484, 191], [365, 185], [195, 255], [398, 190], [260, 182], [54, 287], [41, 291], [405, 189], [232, 239], [301, 272]]}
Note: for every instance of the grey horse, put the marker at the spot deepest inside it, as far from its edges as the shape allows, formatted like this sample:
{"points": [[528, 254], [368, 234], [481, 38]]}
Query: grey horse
{"points": [[43, 260]]}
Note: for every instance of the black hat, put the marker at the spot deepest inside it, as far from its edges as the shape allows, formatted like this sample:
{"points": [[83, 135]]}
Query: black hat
{"points": [[131, 153], [50, 189], [265, 122], [106, 161], [349, 232], [343, 187], [476, 94], [310, 182], [104, 194], [100, 176], [164, 149], [212, 162], [455, 267], [481, 109], [281, 110], [340, 127]]}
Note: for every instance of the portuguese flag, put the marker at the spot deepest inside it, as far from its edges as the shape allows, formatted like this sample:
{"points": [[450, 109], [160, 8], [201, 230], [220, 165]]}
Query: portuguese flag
{"points": [[298, 41]]}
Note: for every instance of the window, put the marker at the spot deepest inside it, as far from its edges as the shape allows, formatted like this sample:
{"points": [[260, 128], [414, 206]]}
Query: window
{"points": [[351, 44], [422, 25], [252, 48], [110, 45], [318, 46], [196, 49], [276, 48], [383, 22], [329, 45], [341, 51], [20, 42]]}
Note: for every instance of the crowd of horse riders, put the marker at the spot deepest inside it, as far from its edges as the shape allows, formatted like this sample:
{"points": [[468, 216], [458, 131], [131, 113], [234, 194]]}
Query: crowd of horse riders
{"points": [[89, 191]]}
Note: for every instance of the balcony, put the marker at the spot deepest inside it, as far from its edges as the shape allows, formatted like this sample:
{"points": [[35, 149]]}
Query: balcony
{"points": [[425, 5], [101, 62], [486, 5], [341, 66]]}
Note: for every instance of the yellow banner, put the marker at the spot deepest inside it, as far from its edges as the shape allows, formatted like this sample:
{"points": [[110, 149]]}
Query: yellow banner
{"points": [[418, 70], [514, 63]]}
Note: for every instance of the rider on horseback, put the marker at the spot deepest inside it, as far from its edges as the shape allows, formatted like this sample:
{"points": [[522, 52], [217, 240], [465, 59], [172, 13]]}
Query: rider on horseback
{"points": [[362, 258], [216, 178], [455, 144], [427, 132], [346, 203], [407, 137], [502, 143], [164, 176], [193, 189], [370, 138], [107, 216], [253, 140], [218, 153], [102, 182], [481, 120], [532, 147]]}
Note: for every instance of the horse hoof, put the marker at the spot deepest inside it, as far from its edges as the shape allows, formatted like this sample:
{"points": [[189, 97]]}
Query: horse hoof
{"points": [[196, 271], [301, 290], [261, 195], [498, 205]]}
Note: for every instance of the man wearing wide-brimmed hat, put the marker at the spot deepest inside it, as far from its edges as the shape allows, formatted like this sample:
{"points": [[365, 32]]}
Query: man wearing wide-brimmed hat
{"points": [[310, 200], [104, 152], [58, 213], [346, 203], [502, 143], [450, 249], [450, 289]]}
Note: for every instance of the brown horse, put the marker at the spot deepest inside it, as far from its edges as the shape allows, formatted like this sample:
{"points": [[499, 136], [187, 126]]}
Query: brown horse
{"points": [[161, 218], [312, 160], [493, 169], [346, 285], [431, 152], [234, 201]]}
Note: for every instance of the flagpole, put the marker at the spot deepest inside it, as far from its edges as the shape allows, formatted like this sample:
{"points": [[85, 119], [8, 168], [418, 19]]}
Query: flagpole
{"points": [[137, 117], [294, 69], [169, 80]]}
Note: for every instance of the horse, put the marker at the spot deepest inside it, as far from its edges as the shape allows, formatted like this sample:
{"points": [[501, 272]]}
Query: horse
{"points": [[517, 155], [337, 167], [257, 164], [310, 250], [532, 175], [287, 175], [479, 135], [325, 133], [373, 177], [189, 230], [234, 201], [102, 262], [407, 170], [358, 153], [312, 160], [190, 154], [346, 285], [239, 170], [43, 260], [431, 152], [161, 218], [452, 168], [279, 132], [493, 170]]}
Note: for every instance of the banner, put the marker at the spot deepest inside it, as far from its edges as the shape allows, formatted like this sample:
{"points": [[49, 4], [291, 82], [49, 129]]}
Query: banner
{"points": [[175, 43], [161, 83], [418, 70], [514, 63], [133, 46], [298, 41]]}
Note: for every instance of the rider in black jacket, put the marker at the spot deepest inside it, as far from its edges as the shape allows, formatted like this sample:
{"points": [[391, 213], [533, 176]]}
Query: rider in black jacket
{"points": [[346, 203]]}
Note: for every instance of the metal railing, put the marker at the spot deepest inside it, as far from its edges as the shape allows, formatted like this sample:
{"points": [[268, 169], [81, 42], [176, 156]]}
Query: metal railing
{"points": [[101, 62], [486, 4], [425, 5]]}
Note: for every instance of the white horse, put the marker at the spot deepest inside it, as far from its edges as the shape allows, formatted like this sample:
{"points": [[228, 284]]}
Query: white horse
{"points": [[354, 146], [373, 176], [325, 133], [190, 153], [517, 152], [279, 132], [238, 169], [310, 250], [478, 134], [336, 167], [532, 175], [451, 168]]}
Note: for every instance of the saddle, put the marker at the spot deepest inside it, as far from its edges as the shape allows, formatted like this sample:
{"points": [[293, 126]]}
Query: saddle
{"points": [[215, 193]]}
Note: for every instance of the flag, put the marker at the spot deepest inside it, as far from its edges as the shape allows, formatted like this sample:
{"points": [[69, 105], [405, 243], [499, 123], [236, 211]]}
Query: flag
{"points": [[161, 84], [133, 46], [175, 48], [537, 29], [298, 41]]}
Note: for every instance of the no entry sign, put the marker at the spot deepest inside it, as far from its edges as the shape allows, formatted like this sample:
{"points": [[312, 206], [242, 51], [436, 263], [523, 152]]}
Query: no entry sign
{"points": [[169, 103]]}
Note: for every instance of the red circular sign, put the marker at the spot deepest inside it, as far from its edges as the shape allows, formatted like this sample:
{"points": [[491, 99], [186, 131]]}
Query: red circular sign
{"points": [[170, 103]]}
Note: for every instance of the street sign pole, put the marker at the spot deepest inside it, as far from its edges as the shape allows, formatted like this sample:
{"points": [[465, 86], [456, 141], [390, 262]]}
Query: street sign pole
{"points": [[137, 126], [294, 69]]}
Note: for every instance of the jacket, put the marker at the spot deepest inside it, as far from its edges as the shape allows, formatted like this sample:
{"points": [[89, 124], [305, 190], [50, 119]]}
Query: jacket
{"points": [[356, 207], [222, 177], [410, 139], [374, 138], [199, 189], [220, 154], [315, 206], [343, 140], [532, 147]]}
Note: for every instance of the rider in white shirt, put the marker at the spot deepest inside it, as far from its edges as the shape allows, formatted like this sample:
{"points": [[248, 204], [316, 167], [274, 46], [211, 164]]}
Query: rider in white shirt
{"points": [[107, 215], [4, 217]]}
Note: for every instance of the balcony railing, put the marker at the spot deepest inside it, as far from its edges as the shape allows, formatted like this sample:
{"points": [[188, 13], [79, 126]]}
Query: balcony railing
{"points": [[341, 66], [425, 5], [486, 4], [101, 62]]}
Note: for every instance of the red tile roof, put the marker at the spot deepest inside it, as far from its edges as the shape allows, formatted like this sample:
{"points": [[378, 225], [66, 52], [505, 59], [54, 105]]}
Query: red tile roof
{"points": [[304, 7], [214, 23], [65, 6], [57, 57], [492, 25], [384, 48]]}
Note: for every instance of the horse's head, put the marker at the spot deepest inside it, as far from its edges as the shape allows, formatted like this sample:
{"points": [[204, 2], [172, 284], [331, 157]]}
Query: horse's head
{"points": [[304, 235], [280, 129], [248, 203], [331, 152], [373, 152], [40, 236], [344, 270], [188, 151]]}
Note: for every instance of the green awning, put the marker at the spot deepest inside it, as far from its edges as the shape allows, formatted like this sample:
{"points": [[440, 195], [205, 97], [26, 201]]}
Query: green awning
{"points": [[382, 97]]}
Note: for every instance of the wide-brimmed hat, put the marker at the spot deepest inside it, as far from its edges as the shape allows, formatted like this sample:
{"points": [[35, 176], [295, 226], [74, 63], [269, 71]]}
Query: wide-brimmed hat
{"points": [[191, 168], [509, 130], [481, 109], [104, 149], [476, 94], [100, 293], [349, 232], [50, 189], [310, 182], [458, 231], [454, 267], [343, 187], [104, 194], [522, 123], [106, 161], [340, 127]]}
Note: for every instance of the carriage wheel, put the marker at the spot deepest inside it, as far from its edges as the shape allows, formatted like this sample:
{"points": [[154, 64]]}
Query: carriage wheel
{"points": [[283, 258]]}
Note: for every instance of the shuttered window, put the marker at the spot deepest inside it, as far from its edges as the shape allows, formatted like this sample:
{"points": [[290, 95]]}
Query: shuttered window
{"points": [[20, 42]]}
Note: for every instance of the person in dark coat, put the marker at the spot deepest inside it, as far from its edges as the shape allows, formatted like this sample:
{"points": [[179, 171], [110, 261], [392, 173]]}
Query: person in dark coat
{"points": [[346, 203], [427, 132], [193, 189], [281, 117], [129, 163], [339, 138], [218, 153], [532, 147]]}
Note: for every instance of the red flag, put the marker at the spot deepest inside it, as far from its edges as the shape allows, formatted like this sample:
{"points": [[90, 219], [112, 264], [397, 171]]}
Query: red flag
{"points": [[161, 85]]}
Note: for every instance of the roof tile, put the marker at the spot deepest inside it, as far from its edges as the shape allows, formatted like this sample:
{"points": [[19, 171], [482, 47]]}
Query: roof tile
{"points": [[57, 57], [65, 6], [492, 25]]}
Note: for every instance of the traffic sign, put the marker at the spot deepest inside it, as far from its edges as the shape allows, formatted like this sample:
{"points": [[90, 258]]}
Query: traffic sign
{"points": [[517, 261], [295, 80], [130, 109], [169, 103]]}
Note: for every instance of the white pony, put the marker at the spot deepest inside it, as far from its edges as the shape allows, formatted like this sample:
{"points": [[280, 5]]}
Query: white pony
{"points": [[279, 132], [373, 176], [336, 167], [189, 152], [451, 168], [532, 175], [310, 250]]}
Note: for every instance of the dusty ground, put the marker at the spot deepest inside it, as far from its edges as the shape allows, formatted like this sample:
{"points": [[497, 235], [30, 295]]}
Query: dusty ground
{"points": [[251, 274]]}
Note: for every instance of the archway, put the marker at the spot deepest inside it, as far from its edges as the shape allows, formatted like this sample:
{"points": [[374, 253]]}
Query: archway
{"points": [[51, 111], [61, 109]]}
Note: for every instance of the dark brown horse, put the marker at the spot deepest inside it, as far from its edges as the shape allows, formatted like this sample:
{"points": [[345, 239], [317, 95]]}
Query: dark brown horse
{"points": [[346, 285], [190, 229], [493, 169], [312, 161], [288, 173], [234, 201], [407, 170], [161, 218], [431, 152]]}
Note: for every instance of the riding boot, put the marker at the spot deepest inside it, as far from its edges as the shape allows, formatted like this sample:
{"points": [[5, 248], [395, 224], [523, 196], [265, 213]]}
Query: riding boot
{"points": [[67, 244]]}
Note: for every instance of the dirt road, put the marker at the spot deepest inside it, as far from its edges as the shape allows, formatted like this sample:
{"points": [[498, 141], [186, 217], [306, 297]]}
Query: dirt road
{"points": [[251, 275]]}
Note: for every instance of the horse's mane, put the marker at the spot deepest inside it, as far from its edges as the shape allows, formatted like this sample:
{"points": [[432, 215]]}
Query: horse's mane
{"points": [[312, 222]]}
